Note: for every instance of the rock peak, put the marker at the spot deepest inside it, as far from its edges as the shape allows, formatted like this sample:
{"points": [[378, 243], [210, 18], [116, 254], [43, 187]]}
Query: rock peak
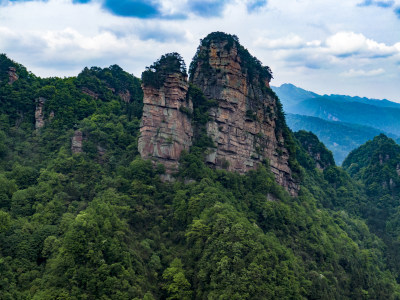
{"points": [[217, 42], [166, 129], [246, 125]]}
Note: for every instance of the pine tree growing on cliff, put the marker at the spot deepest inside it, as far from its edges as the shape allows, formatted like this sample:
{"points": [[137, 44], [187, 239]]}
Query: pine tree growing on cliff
{"points": [[168, 63]]}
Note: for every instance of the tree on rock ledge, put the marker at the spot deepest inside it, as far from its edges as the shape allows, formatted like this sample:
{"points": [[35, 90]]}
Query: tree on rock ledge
{"points": [[168, 64]]}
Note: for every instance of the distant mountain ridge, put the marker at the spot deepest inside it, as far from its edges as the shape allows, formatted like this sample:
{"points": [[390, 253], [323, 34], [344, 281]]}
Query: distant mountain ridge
{"points": [[341, 122], [331, 108], [339, 137], [291, 94]]}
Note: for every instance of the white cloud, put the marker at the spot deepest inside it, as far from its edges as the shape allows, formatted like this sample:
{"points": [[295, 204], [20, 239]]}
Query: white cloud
{"points": [[309, 43], [363, 73], [291, 41], [171, 7], [341, 48], [350, 43]]}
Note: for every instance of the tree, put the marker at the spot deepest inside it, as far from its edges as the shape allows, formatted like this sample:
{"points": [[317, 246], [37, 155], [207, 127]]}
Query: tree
{"points": [[177, 286]]}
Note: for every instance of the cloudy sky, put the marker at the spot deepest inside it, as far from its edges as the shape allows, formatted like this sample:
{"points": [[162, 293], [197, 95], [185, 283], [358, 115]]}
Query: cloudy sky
{"points": [[327, 46]]}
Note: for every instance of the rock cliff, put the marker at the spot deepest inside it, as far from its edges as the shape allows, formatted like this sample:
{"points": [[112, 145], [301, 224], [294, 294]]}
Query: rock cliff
{"points": [[247, 125], [77, 142], [12, 75], [39, 113], [166, 129]]}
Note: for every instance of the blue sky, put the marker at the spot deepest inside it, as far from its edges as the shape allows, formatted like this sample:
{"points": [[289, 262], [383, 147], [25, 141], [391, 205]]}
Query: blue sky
{"points": [[327, 46]]}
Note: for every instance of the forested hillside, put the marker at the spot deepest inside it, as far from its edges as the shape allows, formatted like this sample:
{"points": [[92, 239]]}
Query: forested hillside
{"points": [[341, 122], [377, 165], [82, 216], [340, 137]]}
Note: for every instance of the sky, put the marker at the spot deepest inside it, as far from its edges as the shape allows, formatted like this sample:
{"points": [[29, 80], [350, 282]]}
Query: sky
{"points": [[349, 47]]}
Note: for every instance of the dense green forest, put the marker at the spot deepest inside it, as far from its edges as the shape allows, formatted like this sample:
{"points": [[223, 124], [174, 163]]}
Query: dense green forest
{"points": [[99, 223]]}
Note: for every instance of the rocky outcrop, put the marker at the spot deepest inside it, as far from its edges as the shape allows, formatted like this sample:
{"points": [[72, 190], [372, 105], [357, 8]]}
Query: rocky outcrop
{"points": [[322, 157], [77, 142], [39, 113], [12, 75], [244, 126], [125, 96], [165, 129], [89, 92]]}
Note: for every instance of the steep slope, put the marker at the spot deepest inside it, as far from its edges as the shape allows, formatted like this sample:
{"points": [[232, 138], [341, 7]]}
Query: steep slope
{"points": [[17, 103], [377, 165], [113, 82], [247, 125], [166, 129], [322, 157]]}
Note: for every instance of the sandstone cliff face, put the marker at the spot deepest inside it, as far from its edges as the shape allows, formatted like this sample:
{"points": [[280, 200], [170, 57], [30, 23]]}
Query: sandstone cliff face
{"points": [[39, 114], [165, 129], [77, 142], [12, 75], [244, 124], [125, 96]]}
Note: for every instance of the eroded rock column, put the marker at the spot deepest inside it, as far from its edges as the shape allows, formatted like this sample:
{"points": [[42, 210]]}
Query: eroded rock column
{"points": [[245, 126], [166, 129]]}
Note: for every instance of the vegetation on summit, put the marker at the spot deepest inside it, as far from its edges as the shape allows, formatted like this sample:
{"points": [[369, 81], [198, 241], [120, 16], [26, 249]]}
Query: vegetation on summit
{"points": [[250, 64], [169, 63]]}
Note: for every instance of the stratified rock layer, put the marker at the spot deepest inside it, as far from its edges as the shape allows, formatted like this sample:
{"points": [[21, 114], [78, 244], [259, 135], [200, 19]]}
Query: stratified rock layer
{"points": [[39, 113], [165, 129], [244, 124]]}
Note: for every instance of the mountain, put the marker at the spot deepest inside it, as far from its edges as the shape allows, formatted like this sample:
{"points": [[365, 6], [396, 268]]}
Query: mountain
{"points": [[339, 137], [381, 114], [377, 165], [84, 216], [322, 157], [333, 108], [243, 120], [341, 122], [291, 95]]}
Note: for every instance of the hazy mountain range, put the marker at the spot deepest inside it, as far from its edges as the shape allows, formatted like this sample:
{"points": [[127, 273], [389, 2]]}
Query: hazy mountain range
{"points": [[341, 122]]}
